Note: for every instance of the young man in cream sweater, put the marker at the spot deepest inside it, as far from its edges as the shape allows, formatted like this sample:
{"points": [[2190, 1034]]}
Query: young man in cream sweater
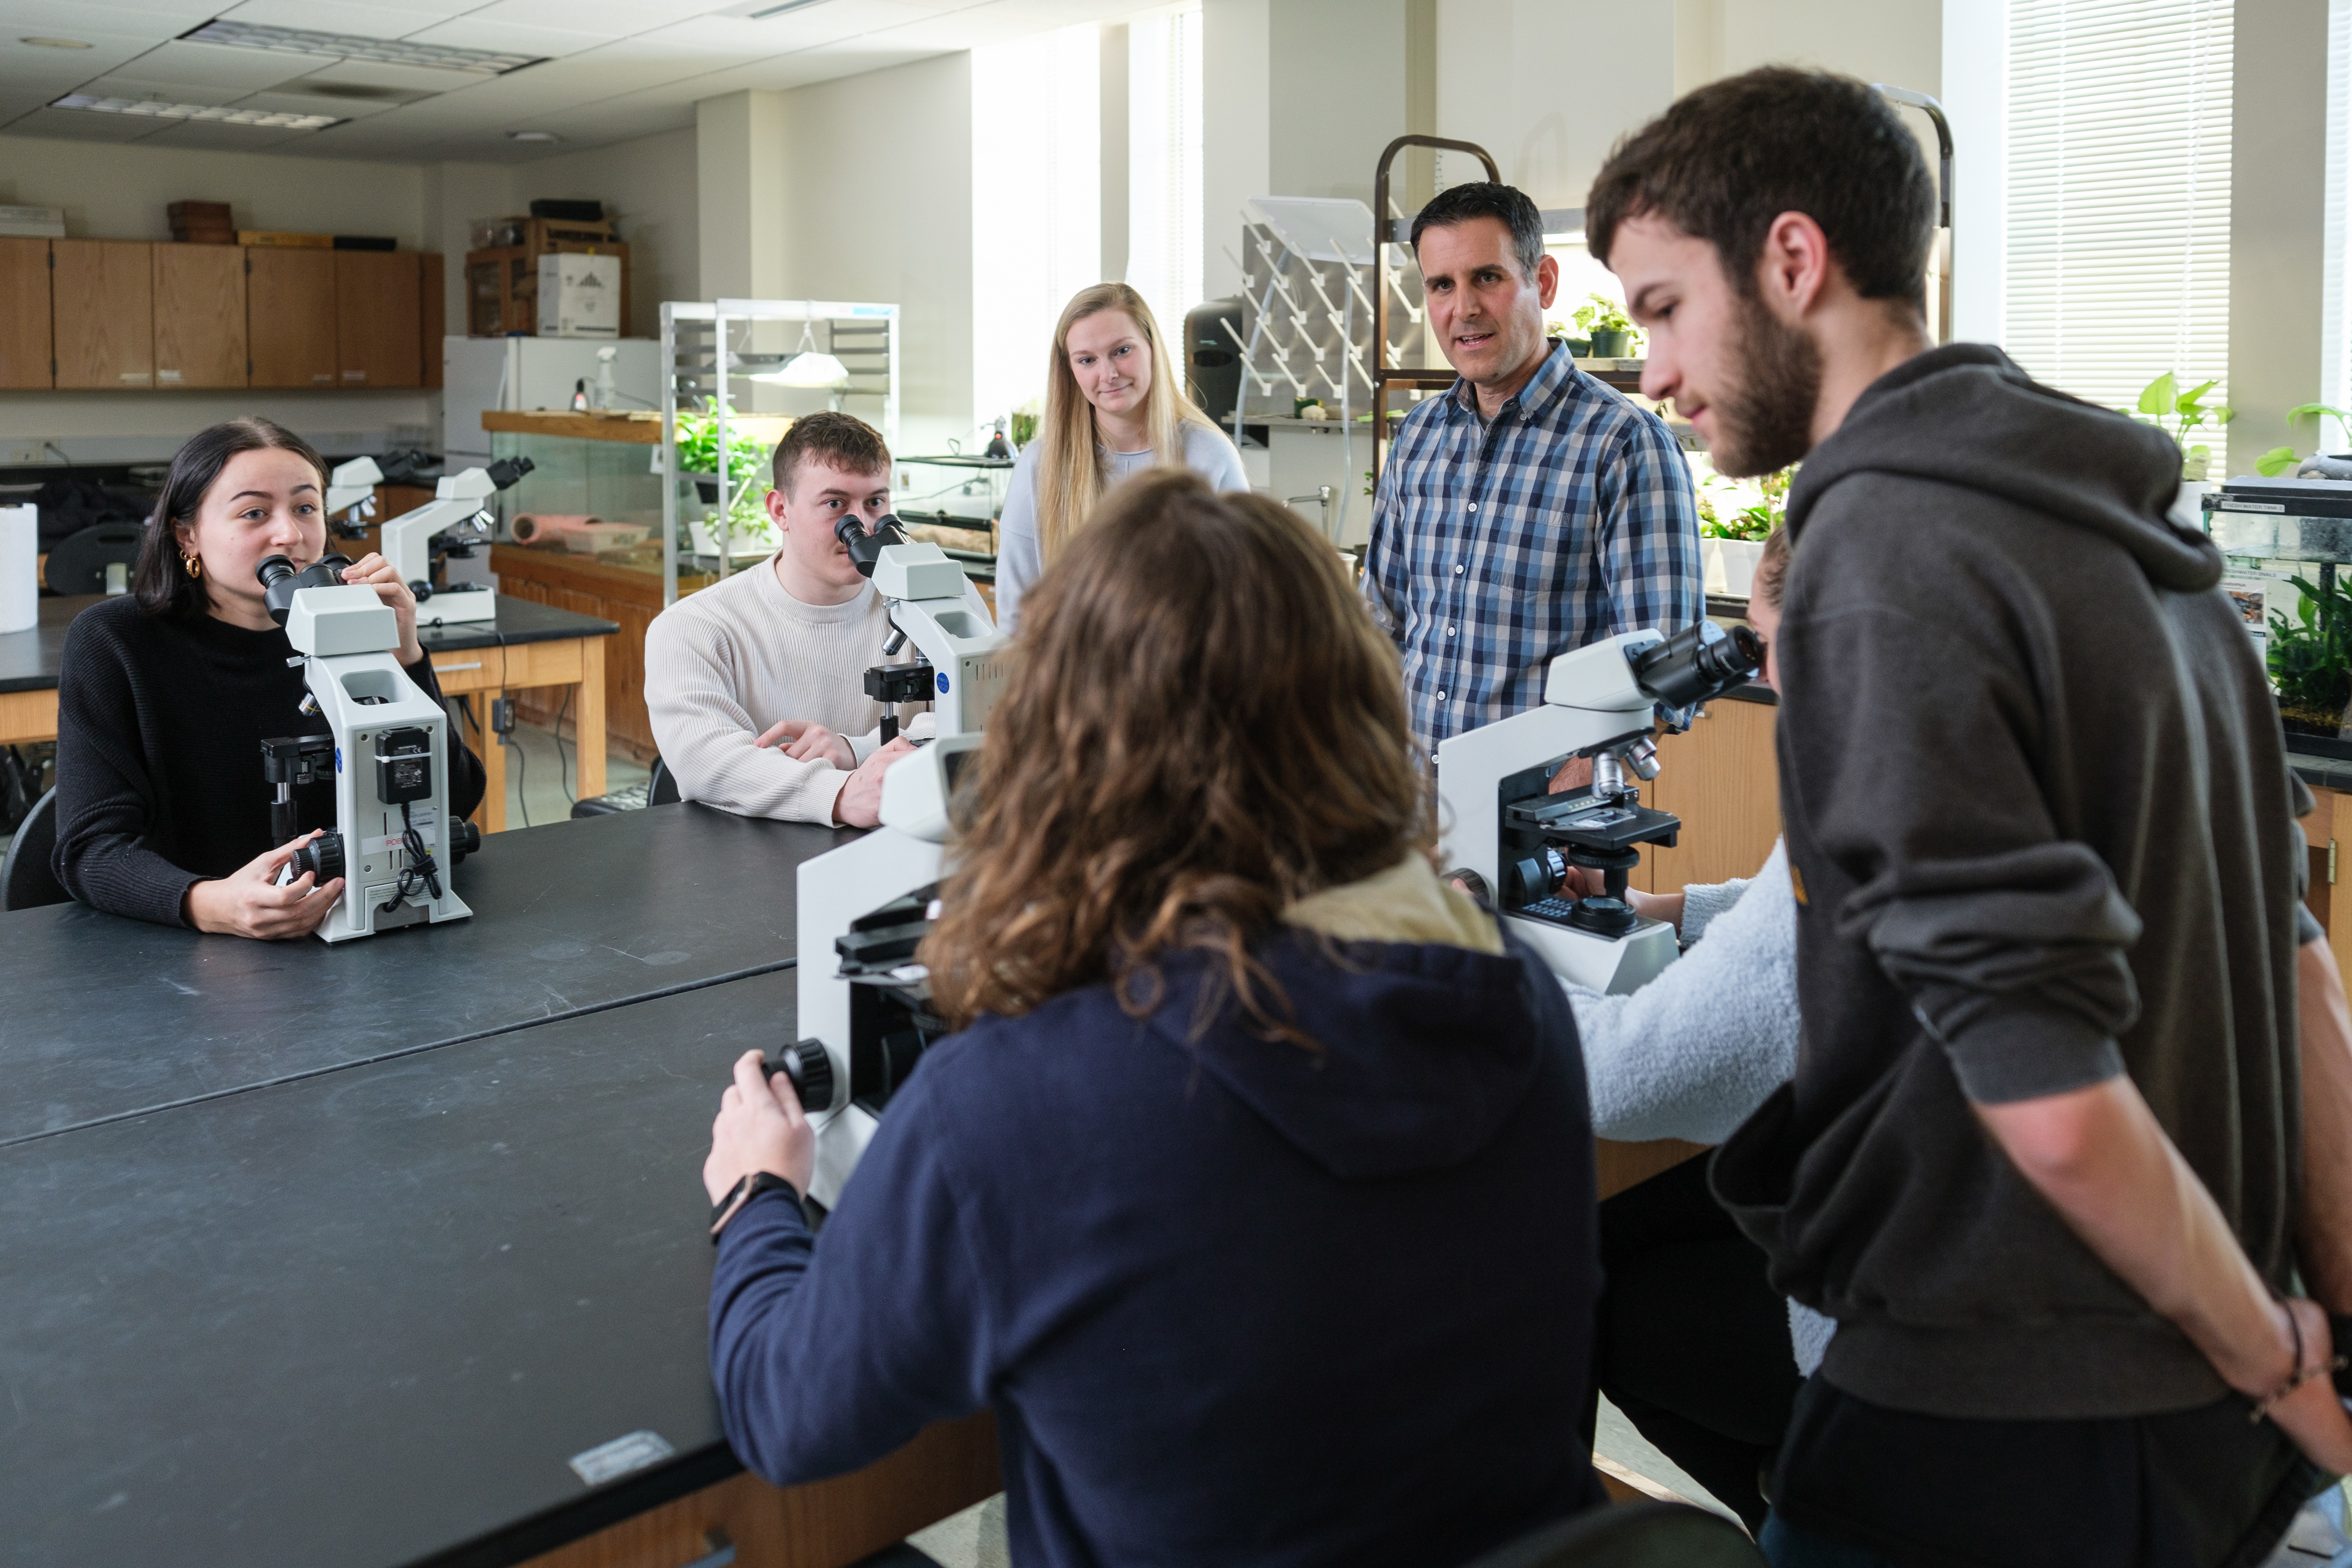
{"points": [[756, 684]]}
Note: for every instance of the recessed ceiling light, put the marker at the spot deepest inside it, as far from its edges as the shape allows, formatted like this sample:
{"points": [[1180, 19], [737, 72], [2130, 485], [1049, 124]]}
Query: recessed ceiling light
{"points": [[780, 10], [212, 113], [532, 136], [351, 47], [55, 43]]}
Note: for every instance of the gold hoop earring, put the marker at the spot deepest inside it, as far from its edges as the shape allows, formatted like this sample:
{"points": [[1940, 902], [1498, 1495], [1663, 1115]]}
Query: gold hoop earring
{"points": [[194, 567]]}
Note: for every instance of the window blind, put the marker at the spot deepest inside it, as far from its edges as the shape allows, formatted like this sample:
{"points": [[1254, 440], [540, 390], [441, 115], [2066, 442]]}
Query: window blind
{"points": [[2118, 202], [2334, 330]]}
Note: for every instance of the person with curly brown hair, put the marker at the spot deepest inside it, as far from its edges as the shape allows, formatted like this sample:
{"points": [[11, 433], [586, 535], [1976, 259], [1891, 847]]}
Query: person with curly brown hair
{"points": [[1255, 1194]]}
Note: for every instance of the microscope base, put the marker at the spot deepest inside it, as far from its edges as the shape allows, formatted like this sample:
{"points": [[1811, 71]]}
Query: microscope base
{"points": [[1613, 965], [451, 605], [449, 907]]}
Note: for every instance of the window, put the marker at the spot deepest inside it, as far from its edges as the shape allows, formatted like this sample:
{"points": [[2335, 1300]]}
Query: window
{"points": [[2117, 263], [1036, 205], [2334, 319], [1163, 139]]}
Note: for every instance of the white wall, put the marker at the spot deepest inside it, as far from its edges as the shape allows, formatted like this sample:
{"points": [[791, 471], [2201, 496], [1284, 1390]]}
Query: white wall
{"points": [[1548, 86], [1236, 139], [649, 187], [120, 190], [876, 195]]}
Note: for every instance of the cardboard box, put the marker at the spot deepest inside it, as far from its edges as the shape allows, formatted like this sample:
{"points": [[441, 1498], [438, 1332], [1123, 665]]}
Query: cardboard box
{"points": [[199, 215], [33, 223], [579, 295]]}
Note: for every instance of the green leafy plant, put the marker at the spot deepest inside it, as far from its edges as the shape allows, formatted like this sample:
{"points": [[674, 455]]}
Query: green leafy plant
{"points": [[2311, 663], [1753, 523], [1025, 424], [747, 474], [2279, 459], [1600, 314], [2162, 399]]}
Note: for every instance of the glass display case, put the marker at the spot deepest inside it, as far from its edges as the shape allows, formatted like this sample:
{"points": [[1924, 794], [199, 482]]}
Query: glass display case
{"points": [[955, 502]]}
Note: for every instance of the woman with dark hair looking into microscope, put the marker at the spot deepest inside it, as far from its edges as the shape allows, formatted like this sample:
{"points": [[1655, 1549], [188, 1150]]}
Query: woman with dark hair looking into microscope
{"points": [[165, 697], [1255, 1194]]}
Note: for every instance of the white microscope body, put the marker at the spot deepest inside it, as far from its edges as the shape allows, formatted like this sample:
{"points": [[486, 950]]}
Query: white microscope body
{"points": [[863, 907], [387, 746], [1501, 822], [459, 509]]}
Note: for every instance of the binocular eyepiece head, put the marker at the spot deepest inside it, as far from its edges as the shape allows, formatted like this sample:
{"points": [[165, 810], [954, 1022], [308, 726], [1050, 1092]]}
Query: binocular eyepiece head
{"points": [[866, 549], [281, 580], [1690, 667]]}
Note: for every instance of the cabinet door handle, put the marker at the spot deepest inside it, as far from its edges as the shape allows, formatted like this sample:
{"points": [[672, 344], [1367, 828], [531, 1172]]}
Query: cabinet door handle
{"points": [[453, 669]]}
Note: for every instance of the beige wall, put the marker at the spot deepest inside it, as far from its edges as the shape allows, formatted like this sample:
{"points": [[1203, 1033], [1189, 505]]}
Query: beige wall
{"points": [[120, 190], [650, 186], [2277, 245]]}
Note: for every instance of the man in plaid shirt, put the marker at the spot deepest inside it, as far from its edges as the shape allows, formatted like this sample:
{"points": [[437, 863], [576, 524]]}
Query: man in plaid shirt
{"points": [[1530, 510]]}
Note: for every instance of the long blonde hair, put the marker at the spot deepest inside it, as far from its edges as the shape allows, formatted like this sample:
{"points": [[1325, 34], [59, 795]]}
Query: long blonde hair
{"points": [[1070, 468]]}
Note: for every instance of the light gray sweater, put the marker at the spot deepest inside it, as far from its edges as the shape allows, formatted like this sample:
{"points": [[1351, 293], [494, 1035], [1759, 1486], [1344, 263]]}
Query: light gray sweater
{"points": [[1693, 1054]]}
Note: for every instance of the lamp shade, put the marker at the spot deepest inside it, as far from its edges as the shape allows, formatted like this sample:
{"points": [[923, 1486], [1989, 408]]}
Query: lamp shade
{"points": [[809, 368]]}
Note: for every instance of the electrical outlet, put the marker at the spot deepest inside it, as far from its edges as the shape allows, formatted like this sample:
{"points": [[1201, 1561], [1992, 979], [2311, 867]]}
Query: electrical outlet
{"points": [[22, 453]]}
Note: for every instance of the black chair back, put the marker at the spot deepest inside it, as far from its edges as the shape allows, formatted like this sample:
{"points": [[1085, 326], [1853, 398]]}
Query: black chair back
{"points": [[661, 788], [26, 881], [77, 564], [1631, 1535]]}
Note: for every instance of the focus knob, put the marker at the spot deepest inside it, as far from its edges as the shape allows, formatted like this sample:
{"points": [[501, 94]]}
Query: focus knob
{"points": [[811, 1071], [322, 858]]}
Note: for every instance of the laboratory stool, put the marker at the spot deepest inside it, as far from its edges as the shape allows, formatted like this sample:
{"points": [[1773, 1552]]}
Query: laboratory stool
{"points": [[660, 788], [1631, 1535], [87, 562], [26, 881]]}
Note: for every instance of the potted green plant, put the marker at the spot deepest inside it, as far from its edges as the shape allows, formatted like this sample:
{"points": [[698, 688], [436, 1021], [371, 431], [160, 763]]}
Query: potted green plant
{"points": [[1613, 337], [747, 474], [1578, 348], [2279, 459], [1732, 536], [2162, 399]]}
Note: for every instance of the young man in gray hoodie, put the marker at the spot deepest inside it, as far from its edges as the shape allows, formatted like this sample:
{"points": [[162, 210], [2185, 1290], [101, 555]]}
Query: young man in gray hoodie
{"points": [[2059, 1153]]}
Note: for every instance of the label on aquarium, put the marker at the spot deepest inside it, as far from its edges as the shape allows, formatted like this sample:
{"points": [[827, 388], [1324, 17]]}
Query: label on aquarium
{"points": [[2232, 504], [2249, 593]]}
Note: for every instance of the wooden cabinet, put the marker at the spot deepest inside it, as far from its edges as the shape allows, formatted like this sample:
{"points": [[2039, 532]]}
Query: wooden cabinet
{"points": [[432, 314], [379, 319], [1722, 777], [24, 344], [290, 300], [104, 310], [199, 315]]}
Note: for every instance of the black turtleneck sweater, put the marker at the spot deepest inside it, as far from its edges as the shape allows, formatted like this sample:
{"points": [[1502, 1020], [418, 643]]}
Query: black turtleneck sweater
{"points": [[160, 725]]}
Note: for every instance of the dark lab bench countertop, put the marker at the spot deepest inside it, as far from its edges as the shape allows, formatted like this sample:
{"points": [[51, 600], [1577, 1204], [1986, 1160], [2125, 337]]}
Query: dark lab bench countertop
{"points": [[369, 1318], [106, 1017], [29, 660]]}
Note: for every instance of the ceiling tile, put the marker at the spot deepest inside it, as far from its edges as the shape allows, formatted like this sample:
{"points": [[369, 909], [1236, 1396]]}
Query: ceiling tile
{"points": [[225, 138], [124, 85], [313, 103], [384, 73], [614, 18], [372, 19], [509, 37]]}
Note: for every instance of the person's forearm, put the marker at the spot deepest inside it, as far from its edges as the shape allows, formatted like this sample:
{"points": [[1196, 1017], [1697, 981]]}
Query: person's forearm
{"points": [[2324, 1229], [2101, 1159]]}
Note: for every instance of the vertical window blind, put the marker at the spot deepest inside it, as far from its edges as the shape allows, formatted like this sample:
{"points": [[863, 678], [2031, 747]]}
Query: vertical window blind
{"points": [[2334, 330], [2118, 201]]}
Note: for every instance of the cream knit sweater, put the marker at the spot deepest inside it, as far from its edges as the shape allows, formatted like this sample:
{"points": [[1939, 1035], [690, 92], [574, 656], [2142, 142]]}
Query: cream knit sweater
{"points": [[724, 664]]}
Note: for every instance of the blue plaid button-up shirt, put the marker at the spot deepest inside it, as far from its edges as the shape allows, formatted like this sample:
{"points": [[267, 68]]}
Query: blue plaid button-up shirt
{"points": [[1568, 518]]}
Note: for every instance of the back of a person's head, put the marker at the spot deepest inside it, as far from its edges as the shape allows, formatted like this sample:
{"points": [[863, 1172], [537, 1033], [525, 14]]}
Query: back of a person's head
{"points": [[1202, 725], [1727, 159], [838, 440]]}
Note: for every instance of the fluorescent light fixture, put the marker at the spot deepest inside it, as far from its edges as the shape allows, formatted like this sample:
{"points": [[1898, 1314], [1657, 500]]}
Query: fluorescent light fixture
{"points": [[211, 113], [532, 136], [351, 47], [780, 10], [811, 368], [55, 43]]}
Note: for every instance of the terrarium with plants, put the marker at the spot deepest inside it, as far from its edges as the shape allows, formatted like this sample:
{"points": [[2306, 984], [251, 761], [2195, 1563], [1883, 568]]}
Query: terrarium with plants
{"points": [[2311, 659]]}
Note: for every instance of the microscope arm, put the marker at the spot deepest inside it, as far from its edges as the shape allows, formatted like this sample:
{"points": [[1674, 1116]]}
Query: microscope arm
{"points": [[409, 538]]}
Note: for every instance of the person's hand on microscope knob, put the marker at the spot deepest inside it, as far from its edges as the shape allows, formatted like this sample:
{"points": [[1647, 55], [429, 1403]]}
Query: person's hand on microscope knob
{"points": [[1584, 882], [859, 803], [760, 1127], [378, 574], [249, 902], [805, 741]]}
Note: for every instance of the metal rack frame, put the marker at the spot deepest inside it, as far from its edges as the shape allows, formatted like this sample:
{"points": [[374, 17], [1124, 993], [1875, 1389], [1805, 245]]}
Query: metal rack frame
{"points": [[695, 351]]}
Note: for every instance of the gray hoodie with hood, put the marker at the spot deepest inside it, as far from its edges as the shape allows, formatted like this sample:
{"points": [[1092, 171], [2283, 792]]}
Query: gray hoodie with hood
{"points": [[2041, 830]]}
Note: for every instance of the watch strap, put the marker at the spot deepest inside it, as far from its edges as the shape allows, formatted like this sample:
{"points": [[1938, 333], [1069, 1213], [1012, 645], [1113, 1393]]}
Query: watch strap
{"points": [[743, 1193]]}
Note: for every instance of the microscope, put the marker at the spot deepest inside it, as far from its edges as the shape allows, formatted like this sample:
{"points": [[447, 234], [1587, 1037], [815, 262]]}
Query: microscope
{"points": [[865, 1011], [1511, 840], [386, 747], [450, 525]]}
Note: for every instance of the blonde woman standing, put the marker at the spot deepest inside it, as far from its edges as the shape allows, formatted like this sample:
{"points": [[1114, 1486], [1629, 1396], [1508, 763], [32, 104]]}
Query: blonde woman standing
{"points": [[1115, 404]]}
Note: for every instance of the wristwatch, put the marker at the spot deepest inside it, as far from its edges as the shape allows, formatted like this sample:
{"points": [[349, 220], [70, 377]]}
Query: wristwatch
{"points": [[743, 1193]]}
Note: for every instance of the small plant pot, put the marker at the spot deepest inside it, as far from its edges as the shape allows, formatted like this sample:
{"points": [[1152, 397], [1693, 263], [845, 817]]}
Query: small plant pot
{"points": [[1578, 348], [709, 491], [1609, 342], [1730, 565]]}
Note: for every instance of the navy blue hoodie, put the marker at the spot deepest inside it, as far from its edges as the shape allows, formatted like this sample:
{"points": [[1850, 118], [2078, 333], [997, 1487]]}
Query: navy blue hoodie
{"points": [[1232, 1301]]}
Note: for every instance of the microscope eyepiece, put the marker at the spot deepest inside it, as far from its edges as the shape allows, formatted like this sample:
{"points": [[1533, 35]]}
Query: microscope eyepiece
{"points": [[280, 581], [866, 549], [1690, 667]]}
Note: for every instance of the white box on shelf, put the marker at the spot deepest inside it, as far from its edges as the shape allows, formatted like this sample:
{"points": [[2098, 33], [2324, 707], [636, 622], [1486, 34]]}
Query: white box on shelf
{"points": [[1730, 564], [579, 295], [33, 223]]}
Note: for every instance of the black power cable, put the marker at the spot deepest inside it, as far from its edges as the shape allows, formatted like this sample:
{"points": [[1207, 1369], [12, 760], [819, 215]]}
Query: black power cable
{"points": [[421, 866]]}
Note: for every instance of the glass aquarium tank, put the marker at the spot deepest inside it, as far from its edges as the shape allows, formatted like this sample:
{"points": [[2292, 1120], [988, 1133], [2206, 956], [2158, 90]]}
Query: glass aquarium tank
{"points": [[2288, 543]]}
